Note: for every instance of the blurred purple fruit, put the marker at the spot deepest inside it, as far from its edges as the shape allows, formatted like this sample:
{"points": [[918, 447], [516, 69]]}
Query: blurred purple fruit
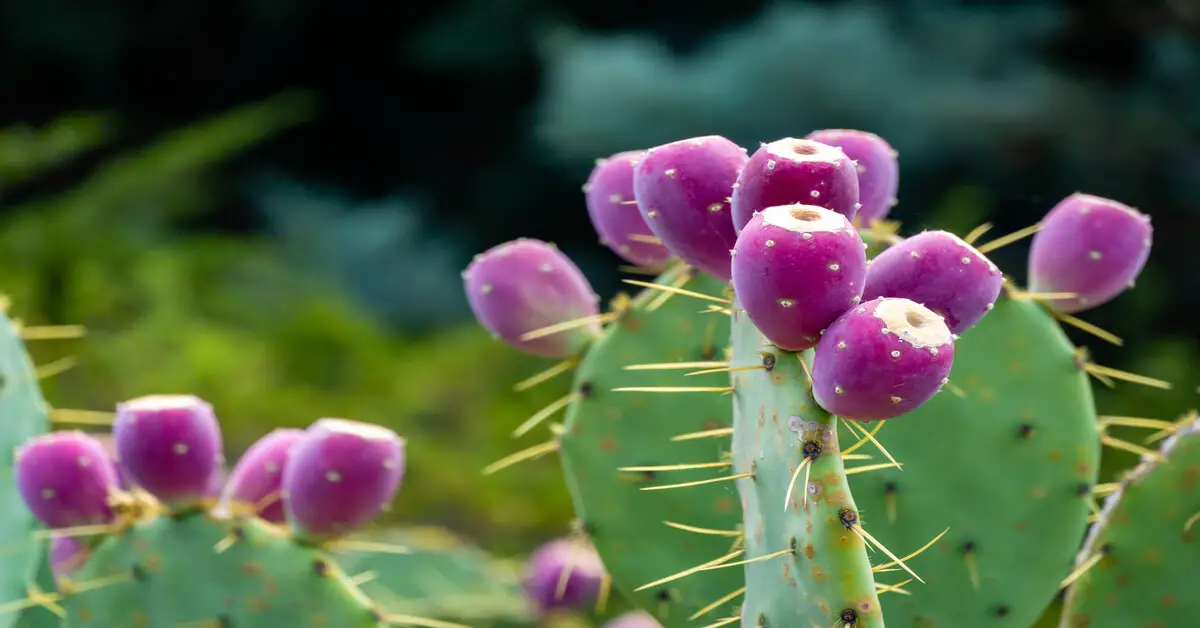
{"points": [[564, 574], [170, 445], [614, 212], [66, 479], [256, 482]]}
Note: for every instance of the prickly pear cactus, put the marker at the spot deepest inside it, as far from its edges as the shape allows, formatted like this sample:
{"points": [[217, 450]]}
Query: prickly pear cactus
{"points": [[180, 547], [24, 414], [617, 447], [1009, 464], [1139, 564], [802, 525]]}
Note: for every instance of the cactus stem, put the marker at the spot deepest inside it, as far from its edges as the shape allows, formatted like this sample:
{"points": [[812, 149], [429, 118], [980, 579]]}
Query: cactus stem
{"points": [[80, 417], [714, 433], [711, 607], [679, 291], [687, 528], [545, 413], [529, 453], [670, 366], [977, 233], [726, 478], [558, 328], [53, 332], [679, 467], [1006, 240], [546, 375], [687, 572]]}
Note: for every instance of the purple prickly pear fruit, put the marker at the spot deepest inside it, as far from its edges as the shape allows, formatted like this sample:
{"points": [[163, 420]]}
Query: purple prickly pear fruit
{"points": [[563, 574], [170, 445], [796, 269], [877, 166], [1091, 247], [339, 476], [256, 482], [614, 212], [525, 285], [882, 359], [65, 479], [67, 555], [633, 619], [790, 171], [940, 271], [110, 446], [682, 190]]}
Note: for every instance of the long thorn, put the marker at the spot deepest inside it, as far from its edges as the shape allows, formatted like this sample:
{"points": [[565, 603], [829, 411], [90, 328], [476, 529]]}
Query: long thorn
{"points": [[1097, 370], [675, 389], [713, 433], [521, 456], [787, 497], [914, 554], [690, 571], [1078, 572], [724, 478], [871, 435], [749, 561], [728, 369], [873, 541], [1082, 325], [80, 417], [564, 326], [545, 413], [546, 375], [679, 467], [1117, 443], [708, 531], [674, 366], [53, 332], [977, 233], [1015, 236], [711, 607], [679, 291]]}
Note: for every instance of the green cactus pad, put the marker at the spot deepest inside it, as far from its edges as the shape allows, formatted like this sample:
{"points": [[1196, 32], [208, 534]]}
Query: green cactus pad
{"points": [[196, 569], [1007, 468], [825, 577], [23, 415], [607, 430], [1149, 555], [440, 576]]}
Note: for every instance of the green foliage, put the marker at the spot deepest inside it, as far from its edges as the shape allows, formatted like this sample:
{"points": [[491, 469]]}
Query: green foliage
{"points": [[1008, 464], [1139, 560], [798, 500], [23, 412], [607, 430]]}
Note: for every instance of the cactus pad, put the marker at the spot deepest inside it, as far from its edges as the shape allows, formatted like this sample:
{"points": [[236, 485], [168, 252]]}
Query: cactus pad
{"points": [[1007, 468], [1144, 557], [607, 430], [823, 574], [24, 414]]}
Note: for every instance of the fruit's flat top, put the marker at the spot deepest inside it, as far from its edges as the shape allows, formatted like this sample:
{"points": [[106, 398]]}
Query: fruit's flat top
{"points": [[607, 430], [1148, 577], [166, 572], [1007, 468], [23, 415]]}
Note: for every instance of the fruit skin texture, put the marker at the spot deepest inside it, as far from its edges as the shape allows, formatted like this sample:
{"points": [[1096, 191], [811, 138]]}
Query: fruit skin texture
{"points": [[524, 285], [65, 479], [878, 169], [940, 271], [568, 559], [339, 476], [682, 190], [796, 269], [257, 478], [615, 215], [170, 445], [1091, 246], [790, 171], [881, 360]]}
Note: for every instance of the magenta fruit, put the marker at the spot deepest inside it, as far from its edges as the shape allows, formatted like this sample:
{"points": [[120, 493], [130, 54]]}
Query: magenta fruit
{"points": [[881, 360], [790, 171], [339, 476], [940, 271], [67, 555], [564, 573], [110, 446], [614, 212], [170, 445], [796, 269], [525, 285], [66, 479], [877, 167], [682, 190], [1091, 247], [256, 482], [633, 619]]}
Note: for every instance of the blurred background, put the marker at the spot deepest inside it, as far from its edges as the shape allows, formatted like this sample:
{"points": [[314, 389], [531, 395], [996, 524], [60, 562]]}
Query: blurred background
{"points": [[268, 203]]}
